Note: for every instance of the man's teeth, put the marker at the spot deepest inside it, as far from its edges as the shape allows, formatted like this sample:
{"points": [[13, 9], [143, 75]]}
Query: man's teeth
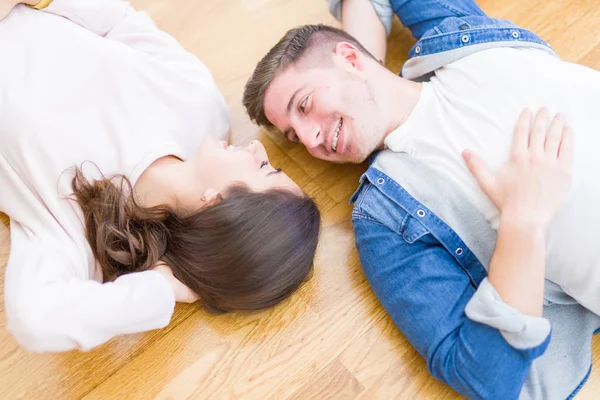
{"points": [[336, 137]]}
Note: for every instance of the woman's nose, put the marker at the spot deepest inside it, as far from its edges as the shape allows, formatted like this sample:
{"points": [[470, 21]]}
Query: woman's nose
{"points": [[257, 149]]}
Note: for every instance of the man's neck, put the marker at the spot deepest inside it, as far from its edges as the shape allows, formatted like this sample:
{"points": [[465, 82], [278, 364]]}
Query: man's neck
{"points": [[402, 97]]}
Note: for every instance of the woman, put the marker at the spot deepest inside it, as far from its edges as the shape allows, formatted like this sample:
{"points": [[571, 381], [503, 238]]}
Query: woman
{"points": [[121, 198]]}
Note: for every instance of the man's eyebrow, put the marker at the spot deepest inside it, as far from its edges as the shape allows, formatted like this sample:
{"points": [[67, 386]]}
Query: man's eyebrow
{"points": [[278, 170], [291, 102], [287, 131]]}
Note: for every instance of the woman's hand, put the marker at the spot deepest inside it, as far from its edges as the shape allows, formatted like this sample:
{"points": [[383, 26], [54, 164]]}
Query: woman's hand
{"points": [[534, 182], [6, 6], [183, 294]]}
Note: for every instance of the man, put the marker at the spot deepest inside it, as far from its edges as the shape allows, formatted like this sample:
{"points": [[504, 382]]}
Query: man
{"points": [[456, 253]]}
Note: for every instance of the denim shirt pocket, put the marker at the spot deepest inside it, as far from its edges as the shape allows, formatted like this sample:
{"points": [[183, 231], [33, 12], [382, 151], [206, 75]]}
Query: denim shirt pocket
{"points": [[411, 229], [372, 204]]}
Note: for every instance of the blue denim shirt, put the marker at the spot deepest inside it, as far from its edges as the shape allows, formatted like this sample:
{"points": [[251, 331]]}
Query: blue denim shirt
{"points": [[413, 263], [432, 280]]}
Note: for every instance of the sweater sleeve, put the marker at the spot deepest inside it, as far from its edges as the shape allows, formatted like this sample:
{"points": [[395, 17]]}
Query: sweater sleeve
{"points": [[118, 21], [52, 306]]}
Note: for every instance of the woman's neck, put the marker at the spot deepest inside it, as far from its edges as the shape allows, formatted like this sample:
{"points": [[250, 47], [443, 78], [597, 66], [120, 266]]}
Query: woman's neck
{"points": [[166, 182]]}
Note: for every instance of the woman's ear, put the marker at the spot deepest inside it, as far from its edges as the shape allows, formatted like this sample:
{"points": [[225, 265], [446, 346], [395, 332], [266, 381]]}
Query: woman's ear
{"points": [[211, 198]]}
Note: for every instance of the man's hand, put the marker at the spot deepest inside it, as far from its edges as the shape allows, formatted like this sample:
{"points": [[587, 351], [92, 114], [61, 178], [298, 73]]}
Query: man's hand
{"points": [[528, 190], [533, 184], [183, 294]]}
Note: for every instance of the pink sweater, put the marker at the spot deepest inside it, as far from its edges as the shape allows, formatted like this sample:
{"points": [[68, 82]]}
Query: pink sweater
{"points": [[89, 80]]}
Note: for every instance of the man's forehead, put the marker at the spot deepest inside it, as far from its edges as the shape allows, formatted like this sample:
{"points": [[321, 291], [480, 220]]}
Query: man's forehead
{"points": [[279, 92], [282, 88]]}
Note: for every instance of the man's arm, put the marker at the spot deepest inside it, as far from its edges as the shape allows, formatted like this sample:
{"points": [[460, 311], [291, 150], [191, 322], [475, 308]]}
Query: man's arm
{"points": [[360, 19], [425, 292], [528, 190]]}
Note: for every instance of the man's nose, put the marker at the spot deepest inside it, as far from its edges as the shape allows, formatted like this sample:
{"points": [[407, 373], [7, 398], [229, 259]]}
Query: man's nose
{"points": [[310, 134]]}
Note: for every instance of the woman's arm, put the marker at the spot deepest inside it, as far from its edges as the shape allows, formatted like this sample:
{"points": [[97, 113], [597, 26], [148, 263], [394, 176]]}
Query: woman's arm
{"points": [[118, 21], [6, 6], [51, 305]]}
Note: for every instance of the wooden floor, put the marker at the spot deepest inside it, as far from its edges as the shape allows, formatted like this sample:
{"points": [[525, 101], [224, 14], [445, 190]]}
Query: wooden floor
{"points": [[330, 341]]}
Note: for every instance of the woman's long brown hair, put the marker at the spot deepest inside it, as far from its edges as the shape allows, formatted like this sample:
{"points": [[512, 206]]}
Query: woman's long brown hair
{"points": [[249, 251]]}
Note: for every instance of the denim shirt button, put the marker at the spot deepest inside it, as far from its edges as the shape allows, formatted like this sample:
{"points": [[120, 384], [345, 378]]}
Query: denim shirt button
{"points": [[418, 50], [421, 213], [464, 38], [515, 34], [459, 251], [380, 181]]}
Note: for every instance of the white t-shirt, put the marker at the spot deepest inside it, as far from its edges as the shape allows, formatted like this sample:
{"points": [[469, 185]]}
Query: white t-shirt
{"points": [[474, 103], [96, 81]]}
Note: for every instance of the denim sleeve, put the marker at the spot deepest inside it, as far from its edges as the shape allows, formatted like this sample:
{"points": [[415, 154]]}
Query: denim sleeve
{"points": [[425, 292], [383, 9], [421, 16], [520, 330]]}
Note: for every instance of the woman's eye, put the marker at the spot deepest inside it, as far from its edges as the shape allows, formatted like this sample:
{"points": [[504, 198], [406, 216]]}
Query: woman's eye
{"points": [[264, 164], [302, 106]]}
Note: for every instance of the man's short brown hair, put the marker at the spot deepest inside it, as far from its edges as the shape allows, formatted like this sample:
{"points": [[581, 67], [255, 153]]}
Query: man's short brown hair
{"points": [[295, 45]]}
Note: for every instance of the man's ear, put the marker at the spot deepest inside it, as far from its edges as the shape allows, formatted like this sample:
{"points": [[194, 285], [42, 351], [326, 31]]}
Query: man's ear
{"points": [[211, 198], [348, 55]]}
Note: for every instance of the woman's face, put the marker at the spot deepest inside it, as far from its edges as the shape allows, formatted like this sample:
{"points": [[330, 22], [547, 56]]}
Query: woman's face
{"points": [[223, 165]]}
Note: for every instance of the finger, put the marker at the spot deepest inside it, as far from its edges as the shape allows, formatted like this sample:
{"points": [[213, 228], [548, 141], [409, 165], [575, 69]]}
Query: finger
{"points": [[191, 297], [480, 172], [537, 139], [194, 298], [521, 136], [4, 10], [554, 136], [565, 151]]}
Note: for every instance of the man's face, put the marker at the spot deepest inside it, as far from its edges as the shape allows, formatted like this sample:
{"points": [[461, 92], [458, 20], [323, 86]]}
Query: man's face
{"points": [[331, 109]]}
